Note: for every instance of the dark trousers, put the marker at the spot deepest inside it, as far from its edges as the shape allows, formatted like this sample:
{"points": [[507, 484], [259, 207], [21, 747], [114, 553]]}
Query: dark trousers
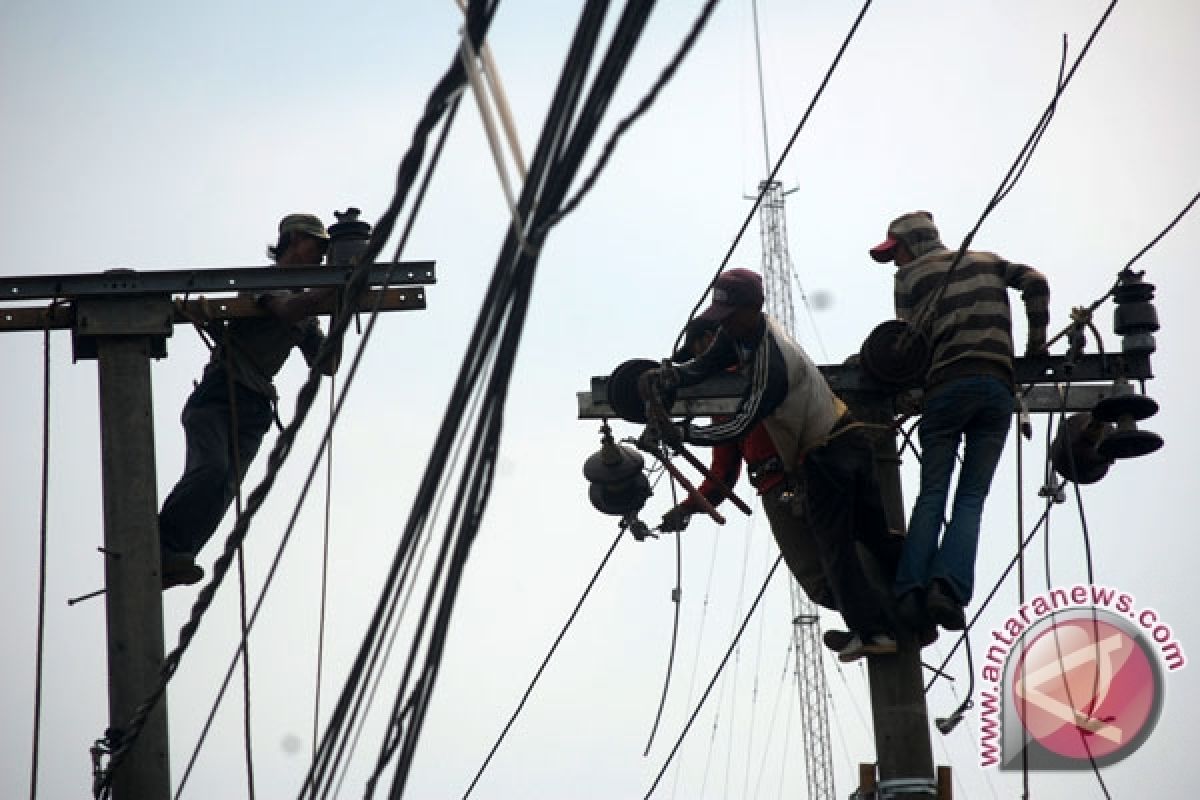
{"points": [[979, 411], [840, 506], [194, 508]]}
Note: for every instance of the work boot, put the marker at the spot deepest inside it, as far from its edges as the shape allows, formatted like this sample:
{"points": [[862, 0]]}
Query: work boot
{"points": [[179, 569], [943, 608], [875, 644]]}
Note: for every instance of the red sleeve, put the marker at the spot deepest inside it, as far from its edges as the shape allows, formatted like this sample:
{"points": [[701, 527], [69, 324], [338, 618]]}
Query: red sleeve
{"points": [[727, 466]]}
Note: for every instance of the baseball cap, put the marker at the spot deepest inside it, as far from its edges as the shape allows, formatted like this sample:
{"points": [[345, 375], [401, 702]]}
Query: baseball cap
{"points": [[734, 288], [309, 224], [910, 228]]}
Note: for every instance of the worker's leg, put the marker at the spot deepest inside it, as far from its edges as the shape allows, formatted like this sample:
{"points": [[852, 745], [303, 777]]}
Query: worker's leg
{"points": [[798, 546], [940, 430], [195, 506], [832, 476], [985, 434]]}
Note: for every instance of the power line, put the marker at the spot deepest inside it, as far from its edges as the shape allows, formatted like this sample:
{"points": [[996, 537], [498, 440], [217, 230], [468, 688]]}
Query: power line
{"points": [[717, 674], [545, 661], [779, 162], [42, 546]]}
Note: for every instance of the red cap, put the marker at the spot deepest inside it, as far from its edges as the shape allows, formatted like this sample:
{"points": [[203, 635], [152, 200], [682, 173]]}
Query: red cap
{"points": [[734, 289], [885, 251]]}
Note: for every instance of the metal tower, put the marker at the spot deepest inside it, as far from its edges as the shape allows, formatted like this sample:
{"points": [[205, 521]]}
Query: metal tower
{"points": [[806, 626]]}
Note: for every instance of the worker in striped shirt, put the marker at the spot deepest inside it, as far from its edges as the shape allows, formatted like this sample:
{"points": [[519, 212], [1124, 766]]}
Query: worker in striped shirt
{"points": [[962, 305]]}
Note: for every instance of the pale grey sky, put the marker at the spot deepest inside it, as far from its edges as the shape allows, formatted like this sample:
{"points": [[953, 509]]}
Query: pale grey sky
{"points": [[154, 135]]}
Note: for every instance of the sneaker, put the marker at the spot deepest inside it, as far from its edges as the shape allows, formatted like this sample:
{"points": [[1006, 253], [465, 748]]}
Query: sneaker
{"points": [[876, 644], [837, 640], [943, 608], [180, 570]]}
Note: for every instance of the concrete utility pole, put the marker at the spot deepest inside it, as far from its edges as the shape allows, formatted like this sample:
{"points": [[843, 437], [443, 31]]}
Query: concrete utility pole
{"points": [[121, 319]]}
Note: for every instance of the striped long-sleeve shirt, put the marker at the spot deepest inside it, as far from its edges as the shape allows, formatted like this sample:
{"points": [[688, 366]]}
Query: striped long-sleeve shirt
{"points": [[971, 322]]}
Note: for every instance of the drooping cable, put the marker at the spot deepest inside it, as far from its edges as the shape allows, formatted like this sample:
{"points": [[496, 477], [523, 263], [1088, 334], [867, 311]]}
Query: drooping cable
{"points": [[783, 681], [720, 667], [779, 163], [43, 539], [324, 571], [498, 331], [1165, 231], [545, 661], [1017, 168], [712, 564], [235, 457], [937, 673], [676, 600]]}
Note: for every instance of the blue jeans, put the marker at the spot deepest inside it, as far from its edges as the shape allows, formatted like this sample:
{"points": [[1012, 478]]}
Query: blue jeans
{"points": [[194, 508], [978, 409]]}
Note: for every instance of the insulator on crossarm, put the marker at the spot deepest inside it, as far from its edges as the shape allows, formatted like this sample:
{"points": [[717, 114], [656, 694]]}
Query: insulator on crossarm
{"points": [[618, 484], [1135, 319]]}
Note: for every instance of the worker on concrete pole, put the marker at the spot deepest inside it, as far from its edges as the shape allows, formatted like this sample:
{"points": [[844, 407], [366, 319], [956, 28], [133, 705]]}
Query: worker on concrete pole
{"points": [[968, 396], [228, 413], [831, 498]]}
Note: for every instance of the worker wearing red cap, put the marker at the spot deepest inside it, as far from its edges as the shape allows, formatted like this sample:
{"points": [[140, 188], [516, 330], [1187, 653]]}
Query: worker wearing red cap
{"points": [[831, 499], [968, 396]]}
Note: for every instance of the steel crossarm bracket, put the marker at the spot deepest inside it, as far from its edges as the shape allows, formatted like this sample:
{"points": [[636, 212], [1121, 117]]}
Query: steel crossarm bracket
{"points": [[207, 280]]}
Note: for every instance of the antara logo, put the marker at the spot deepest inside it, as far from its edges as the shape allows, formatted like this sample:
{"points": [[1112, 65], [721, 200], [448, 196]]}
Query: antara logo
{"points": [[1075, 677]]}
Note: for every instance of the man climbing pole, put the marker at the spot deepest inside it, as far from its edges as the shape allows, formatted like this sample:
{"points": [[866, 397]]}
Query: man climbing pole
{"points": [[767, 476], [228, 413], [964, 310], [830, 498]]}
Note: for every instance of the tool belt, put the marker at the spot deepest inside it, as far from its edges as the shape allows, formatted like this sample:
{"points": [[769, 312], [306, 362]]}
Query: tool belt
{"points": [[760, 470]]}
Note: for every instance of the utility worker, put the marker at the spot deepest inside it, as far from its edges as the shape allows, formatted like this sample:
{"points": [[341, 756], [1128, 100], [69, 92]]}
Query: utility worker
{"points": [[823, 451], [234, 401], [767, 476], [968, 395]]}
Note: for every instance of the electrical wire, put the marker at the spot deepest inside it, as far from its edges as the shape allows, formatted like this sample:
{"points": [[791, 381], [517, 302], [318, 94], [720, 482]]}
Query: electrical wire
{"points": [[498, 330], [991, 594], [43, 540], [712, 564], [1165, 231], [720, 667], [778, 164], [324, 571], [676, 599], [236, 460], [1016, 169], [545, 661], [406, 174]]}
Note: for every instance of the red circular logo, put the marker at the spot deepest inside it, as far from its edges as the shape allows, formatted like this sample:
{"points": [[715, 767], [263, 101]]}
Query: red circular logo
{"points": [[1086, 688]]}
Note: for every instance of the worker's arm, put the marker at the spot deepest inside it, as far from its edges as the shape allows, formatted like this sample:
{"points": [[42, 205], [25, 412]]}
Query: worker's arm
{"points": [[767, 386], [726, 467], [295, 306], [1035, 292]]}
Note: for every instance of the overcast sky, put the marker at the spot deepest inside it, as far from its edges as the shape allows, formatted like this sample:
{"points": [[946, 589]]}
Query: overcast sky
{"points": [[160, 135]]}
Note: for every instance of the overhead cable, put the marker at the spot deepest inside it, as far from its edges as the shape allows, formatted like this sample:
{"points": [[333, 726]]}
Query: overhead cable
{"points": [[537, 675], [779, 162], [1017, 168], [43, 539], [720, 667], [444, 95]]}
